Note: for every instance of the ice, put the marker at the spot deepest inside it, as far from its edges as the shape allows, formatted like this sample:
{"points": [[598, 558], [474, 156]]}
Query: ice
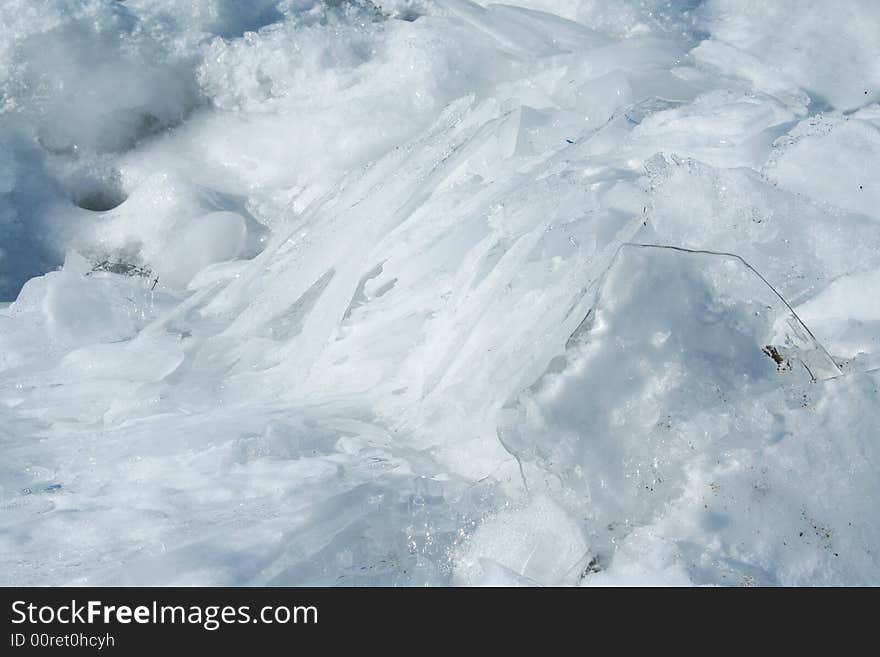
{"points": [[537, 544], [439, 292]]}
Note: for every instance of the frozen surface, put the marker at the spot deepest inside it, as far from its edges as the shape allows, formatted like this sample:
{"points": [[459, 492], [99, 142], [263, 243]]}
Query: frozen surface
{"points": [[439, 292]]}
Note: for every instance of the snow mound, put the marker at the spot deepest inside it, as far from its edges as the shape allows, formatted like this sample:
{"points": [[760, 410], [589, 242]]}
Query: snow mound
{"points": [[787, 46], [687, 364]]}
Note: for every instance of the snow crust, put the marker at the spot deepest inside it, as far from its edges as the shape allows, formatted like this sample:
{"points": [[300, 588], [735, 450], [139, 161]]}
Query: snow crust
{"points": [[439, 292]]}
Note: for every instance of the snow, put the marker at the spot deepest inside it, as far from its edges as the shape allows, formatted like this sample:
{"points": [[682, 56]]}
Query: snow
{"points": [[829, 52], [439, 292], [819, 154]]}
